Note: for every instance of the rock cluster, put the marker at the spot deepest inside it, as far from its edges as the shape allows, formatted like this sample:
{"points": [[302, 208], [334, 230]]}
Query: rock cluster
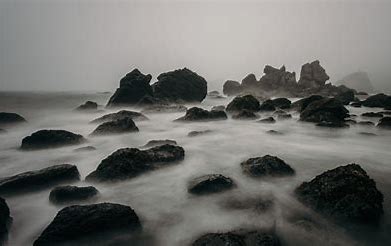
{"points": [[199, 114]]}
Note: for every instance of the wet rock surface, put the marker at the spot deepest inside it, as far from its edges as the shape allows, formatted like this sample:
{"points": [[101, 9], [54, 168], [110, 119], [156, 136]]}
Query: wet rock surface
{"points": [[282, 103], [240, 103], [85, 149], [68, 194], [199, 114], [7, 118], [301, 104], [125, 125], [43, 139], [266, 166], [136, 116], [210, 183]]}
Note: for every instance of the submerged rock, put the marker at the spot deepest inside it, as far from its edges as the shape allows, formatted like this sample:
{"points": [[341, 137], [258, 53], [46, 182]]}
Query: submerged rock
{"points": [[385, 123], [232, 88], [66, 194], [240, 103], [268, 120], [267, 105], [324, 110], [197, 133], [210, 183], [245, 115], [266, 166], [125, 125], [372, 114], [10, 118], [34, 180], [89, 105], [50, 139], [5, 219], [136, 116], [85, 149], [154, 143], [89, 221], [301, 104], [274, 132], [379, 100], [130, 162], [199, 114], [345, 194]]}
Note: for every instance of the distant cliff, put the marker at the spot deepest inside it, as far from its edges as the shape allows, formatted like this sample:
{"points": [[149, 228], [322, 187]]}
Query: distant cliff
{"points": [[358, 81]]}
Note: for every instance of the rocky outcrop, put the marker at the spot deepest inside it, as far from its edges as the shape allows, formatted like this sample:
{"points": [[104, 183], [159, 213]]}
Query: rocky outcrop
{"points": [[5, 219], [199, 114], [50, 139], [345, 194], [87, 222], [249, 82], [68, 194], [125, 125], [266, 166], [210, 183], [180, 85], [88, 106], [154, 143], [34, 180], [358, 81], [136, 116], [277, 79], [130, 162], [232, 88], [239, 103], [377, 101], [10, 118], [385, 123], [324, 110], [313, 75]]}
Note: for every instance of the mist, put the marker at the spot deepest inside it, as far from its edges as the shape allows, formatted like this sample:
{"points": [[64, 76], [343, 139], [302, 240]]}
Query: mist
{"points": [[69, 45]]}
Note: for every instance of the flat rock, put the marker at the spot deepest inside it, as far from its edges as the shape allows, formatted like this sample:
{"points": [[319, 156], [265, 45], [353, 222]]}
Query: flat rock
{"points": [[337, 124], [210, 183], [68, 193], [136, 116], [125, 125], [85, 149], [43, 139], [199, 114], [266, 166], [366, 123]]}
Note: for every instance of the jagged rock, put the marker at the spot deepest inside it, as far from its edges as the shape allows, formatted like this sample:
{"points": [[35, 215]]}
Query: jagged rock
{"points": [[372, 115], [240, 103], [268, 120], [154, 143], [136, 116], [10, 118], [366, 123], [267, 105], [180, 85], [50, 139], [249, 82], [266, 166], [197, 133], [77, 222], [377, 101], [346, 97], [232, 88], [301, 104], [5, 219], [245, 115], [125, 125], [210, 183], [345, 194], [277, 79], [324, 110], [67, 194], [85, 149], [358, 81], [313, 75], [133, 87], [199, 114], [385, 123], [282, 103], [130, 162], [34, 180], [89, 105]]}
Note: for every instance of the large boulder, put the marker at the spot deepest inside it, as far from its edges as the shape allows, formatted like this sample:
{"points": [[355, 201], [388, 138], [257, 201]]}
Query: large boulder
{"points": [[358, 81], [277, 79], [130, 162], [89, 222], [88, 106], [232, 88], [210, 183], [69, 193], [313, 75], [266, 166], [34, 180], [125, 125], [133, 87], [301, 104], [10, 118], [5, 219], [324, 110], [180, 85], [377, 101], [240, 103], [267, 105], [345, 194], [199, 114], [136, 116], [250, 82], [385, 123], [43, 139], [282, 103]]}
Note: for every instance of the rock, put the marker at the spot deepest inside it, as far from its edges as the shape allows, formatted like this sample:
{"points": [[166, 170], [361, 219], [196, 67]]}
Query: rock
{"points": [[372, 115], [35, 180], [130, 162], [301, 104], [356, 104], [180, 85], [136, 116], [10, 118], [239, 238], [89, 105], [5, 219], [358, 81], [197, 133], [366, 123], [361, 93], [218, 108], [232, 88], [282, 103], [164, 108], [213, 93], [267, 105], [125, 125], [276, 79], [269, 120], [133, 87], [386, 112], [324, 110], [258, 204], [345, 194], [274, 132], [210, 183], [85, 149], [333, 124], [245, 115], [284, 116], [385, 123], [369, 134], [249, 82], [266, 166], [50, 139], [89, 221], [379, 100], [154, 143], [312, 75], [346, 97], [199, 114], [350, 121], [66, 194], [240, 103]]}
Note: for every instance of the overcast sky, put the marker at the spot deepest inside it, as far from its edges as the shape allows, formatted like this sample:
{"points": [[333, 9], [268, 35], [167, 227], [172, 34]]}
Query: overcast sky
{"points": [[91, 44]]}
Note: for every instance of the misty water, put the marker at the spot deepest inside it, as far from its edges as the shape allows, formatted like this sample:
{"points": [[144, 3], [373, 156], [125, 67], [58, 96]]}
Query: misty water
{"points": [[169, 214]]}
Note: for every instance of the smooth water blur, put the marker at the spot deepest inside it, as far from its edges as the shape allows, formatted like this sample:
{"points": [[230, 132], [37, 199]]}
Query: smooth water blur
{"points": [[171, 216]]}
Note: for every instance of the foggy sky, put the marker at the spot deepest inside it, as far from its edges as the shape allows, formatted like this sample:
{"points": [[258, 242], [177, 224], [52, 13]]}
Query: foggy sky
{"points": [[90, 44]]}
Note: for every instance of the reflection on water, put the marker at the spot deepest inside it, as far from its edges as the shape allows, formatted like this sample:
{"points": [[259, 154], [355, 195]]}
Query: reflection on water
{"points": [[168, 213]]}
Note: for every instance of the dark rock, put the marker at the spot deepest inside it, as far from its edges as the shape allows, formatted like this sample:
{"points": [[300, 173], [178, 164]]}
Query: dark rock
{"points": [[154, 143], [366, 123], [34, 180], [79, 222], [356, 104], [197, 133], [199, 114], [5, 219], [345, 194], [386, 112], [369, 134], [274, 132], [232, 88], [301, 104], [372, 114], [164, 108], [269, 120], [130, 162], [346, 97], [361, 93], [385, 123], [267, 105], [210, 183], [89, 105], [276, 79], [50, 139], [136, 116], [358, 81], [333, 124], [85, 149], [249, 82], [10, 118], [182, 85], [379, 100], [312, 75], [245, 115], [328, 110], [133, 87], [266, 166], [125, 125], [282, 103], [350, 121], [66, 194], [240, 103]]}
